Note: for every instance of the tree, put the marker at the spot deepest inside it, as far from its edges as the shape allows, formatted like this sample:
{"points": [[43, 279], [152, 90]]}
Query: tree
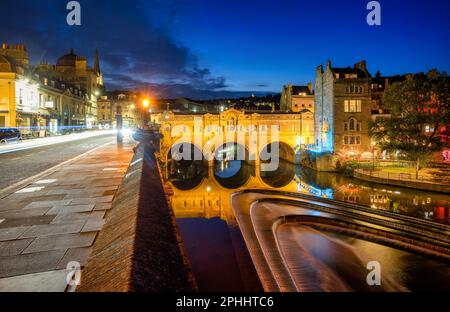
{"points": [[419, 116]]}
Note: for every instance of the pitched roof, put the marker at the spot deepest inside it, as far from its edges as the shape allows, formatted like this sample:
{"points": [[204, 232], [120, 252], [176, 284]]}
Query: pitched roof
{"points": [[350, 70], [296, 90]]}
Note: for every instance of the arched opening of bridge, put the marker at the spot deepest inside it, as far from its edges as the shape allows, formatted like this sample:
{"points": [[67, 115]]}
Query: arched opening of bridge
{"points": [[277, 152], [281, 177], [185, 174], [231, 165]]}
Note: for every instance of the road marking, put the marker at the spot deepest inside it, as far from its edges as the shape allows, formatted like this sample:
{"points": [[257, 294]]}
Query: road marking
{"points": [[135, 162], [49, 181], [30, 189], [110, 169], [17, 186]]}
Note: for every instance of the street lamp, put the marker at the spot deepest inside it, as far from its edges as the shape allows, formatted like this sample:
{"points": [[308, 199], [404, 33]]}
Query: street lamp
{"points": [[146, 103]]}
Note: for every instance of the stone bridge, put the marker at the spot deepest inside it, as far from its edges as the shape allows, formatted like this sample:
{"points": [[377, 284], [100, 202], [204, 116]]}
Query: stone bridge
{"points": [[236, 133]]}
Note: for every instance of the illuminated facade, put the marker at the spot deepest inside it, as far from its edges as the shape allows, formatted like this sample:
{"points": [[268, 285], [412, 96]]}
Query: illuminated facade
{"points": [[123, 103], [235, 126], [343, 108], [297, 98], [49, 98]]}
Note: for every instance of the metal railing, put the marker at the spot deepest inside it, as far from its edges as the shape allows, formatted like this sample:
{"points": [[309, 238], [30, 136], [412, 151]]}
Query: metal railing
{"points": [[408, 177]]}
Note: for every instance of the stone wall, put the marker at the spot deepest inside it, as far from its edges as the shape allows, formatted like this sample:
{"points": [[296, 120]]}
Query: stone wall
{"points": [[139, 248]]}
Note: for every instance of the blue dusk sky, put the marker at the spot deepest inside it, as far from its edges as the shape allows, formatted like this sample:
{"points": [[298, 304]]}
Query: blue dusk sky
{"points": [[217, 48]]}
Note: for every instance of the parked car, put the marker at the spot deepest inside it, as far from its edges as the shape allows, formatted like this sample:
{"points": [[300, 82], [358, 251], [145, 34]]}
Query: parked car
{"points": [[10, 135]]}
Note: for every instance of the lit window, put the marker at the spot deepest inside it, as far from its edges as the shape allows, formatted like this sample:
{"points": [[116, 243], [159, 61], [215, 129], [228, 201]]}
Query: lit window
{"points": [[346, 140]]}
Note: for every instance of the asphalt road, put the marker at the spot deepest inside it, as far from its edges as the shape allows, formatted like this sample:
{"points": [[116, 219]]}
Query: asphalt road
{"points": [[19, 165]]}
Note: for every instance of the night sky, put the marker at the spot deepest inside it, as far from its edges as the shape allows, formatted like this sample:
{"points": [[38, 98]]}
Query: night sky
{"points": [[215, 48]]}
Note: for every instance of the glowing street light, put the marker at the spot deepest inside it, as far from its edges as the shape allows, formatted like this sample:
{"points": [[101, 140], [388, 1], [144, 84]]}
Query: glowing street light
{"points": [[146, 103]]}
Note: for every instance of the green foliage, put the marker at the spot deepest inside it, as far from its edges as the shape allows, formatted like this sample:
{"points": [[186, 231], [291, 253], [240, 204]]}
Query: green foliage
{"points": [[418, 103]]}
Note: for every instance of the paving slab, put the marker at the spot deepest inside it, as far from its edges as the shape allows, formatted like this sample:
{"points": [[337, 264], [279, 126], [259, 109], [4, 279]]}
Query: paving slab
{"points": [[52, 281], [30, 263], [53, 229], [79, 255]]}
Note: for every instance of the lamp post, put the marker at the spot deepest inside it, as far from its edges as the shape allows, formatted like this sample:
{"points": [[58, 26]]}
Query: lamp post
{"points": [[9, 101], [145, 105]]}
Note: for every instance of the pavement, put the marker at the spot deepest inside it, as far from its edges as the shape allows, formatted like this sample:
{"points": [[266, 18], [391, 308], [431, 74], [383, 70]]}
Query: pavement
{"points": [[20, 162], [54, 218]]}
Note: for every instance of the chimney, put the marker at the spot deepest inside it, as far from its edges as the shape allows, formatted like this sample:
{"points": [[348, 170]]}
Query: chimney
{"points": [[361, 65], [319, 69], [310, 87]]}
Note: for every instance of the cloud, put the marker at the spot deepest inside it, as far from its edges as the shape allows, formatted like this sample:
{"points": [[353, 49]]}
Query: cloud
{"points": [[133, 38]]}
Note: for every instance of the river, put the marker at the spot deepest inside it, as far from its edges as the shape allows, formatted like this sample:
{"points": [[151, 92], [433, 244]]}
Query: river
{"points": [[220, 259]]}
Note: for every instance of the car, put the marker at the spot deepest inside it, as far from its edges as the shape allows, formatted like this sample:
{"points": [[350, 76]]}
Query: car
{"points": [[10, 135]]}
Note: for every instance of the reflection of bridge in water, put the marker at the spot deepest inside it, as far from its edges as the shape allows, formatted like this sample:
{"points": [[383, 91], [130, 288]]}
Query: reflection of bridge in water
{"points": [[293, 228], [207, 194]]}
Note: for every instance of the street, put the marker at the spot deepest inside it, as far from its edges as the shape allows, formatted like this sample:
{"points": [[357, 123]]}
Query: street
{"points": [[21, 164]]}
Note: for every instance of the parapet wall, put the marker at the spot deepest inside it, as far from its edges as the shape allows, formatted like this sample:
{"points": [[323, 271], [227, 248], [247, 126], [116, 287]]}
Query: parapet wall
{"points": [[138, 248]]}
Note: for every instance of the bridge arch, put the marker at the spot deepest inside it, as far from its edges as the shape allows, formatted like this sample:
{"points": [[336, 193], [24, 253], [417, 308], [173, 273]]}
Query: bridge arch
{"points": [[231, 169], [185, 174], [285, 151]]}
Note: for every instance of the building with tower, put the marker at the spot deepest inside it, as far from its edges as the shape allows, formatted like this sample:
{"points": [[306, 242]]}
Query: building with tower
{"points": [[343, 108]]}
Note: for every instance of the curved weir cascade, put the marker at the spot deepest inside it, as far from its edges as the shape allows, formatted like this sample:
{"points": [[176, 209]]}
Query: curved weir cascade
{"points": [[294, 229]]}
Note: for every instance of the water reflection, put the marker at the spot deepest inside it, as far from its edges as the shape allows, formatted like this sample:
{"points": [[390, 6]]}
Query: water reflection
{"points": [[201, 202], [232, 174], [280, 177], [228, 177]]}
